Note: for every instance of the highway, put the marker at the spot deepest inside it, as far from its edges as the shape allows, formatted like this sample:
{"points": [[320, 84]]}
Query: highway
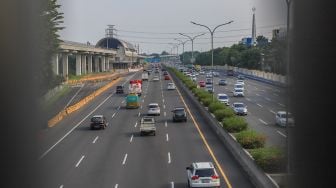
{"points": [[73, 156], [262, 100]]}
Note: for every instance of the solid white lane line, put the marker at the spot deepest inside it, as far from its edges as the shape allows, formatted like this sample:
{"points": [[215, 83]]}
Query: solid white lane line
{"points": [[166, 124], [116, 186], [95, 140], [248, 99], [164, 114], [272, 112], [60, 140], [131, 138], [267, 98], [169, 159], [124, 161], [282, 134], [113, 115], [139, 114], [80, 160], [259, 105], [248, 154], [262, 121], [257, 94], [281, 104], [167, 138], [136, 124], [172, 184]]}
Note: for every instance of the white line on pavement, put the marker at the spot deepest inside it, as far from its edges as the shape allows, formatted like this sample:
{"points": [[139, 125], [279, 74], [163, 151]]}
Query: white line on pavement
{"points": [[107, 124], [167, 138], [281, 104], [122, 101], [248, 154], [234, 138], [124, 161], [118, 108], [139, 114], [257, 94], [60, 140], [162, 100], [164, 106], [272, 112], [164, 114], [256, 88], [172, 184], [136, 124], [61, 186], [259, 105], [80, 160], [262, 121], [268, 99], [276, 94], [169, 159], [248, 99], [113, 115], [116, 186], [141, 107], [95, 140], [166, 124], [131, 138], [143, 100], [282, 134]]}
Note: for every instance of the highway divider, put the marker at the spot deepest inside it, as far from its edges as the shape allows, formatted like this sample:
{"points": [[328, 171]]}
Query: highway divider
{"points": [[243, 157], [61, 115]]}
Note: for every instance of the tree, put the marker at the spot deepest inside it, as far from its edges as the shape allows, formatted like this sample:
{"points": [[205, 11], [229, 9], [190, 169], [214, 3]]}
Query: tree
{"points": [[51, 20], [262, 41], [164, 53]]}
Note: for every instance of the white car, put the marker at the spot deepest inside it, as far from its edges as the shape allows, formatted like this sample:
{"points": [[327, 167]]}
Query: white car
{"points": [[238, 86], [194, 78], [202, 72], [202, 174], [240, 82], [238, 92], [171, 86], [223, 98], [153, 109], [280, 118], [156, 78]]}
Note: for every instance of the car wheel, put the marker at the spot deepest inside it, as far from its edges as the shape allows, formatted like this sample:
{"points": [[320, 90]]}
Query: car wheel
{"points": [[141, 133], [188, 184], [154, 134]]}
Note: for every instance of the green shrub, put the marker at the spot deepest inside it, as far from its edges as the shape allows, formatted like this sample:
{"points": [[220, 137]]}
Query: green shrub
{"points": [[234, 124], [223, 113], [206, 101], [216, 106], [271, 160], [204, 94], [251, 139]]}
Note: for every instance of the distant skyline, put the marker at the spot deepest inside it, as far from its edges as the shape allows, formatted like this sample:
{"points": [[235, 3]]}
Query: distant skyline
{"points": [[152, 24]]}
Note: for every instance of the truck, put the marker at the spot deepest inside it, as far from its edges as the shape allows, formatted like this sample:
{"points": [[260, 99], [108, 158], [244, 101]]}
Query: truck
{"points": [[147, 125], [135, 86], [132, 101], [144, 76]]}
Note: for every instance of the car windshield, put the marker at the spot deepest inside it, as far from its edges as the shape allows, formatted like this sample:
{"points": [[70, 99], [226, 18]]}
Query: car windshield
{"points": [[239, 105], [179, 111], [221, 80], [239, 86], [153, 106], [119, 87], [97, 119], [284, 115], [205, 172], [222, 97], [238, 90]]}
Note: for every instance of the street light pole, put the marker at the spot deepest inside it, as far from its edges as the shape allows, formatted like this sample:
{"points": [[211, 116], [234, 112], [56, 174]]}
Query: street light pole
{"points": [[192, 43], [182, 46], [212, 33]]}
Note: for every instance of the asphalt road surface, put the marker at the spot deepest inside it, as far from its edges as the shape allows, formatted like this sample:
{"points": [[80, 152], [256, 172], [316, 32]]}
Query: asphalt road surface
{"points": [[73, 156]]}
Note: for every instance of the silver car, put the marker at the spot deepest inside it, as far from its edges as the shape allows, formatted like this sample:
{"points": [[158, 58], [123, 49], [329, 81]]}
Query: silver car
{"points": [[239, 108], [202, 174], [280, 119], [154, 109], [223, 98]]}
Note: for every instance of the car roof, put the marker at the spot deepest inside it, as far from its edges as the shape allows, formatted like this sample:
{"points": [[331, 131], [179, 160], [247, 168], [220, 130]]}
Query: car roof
{"points": [[153, 104], [179, 108], [202, 165], [238, 103], [97, 116], [221, 94], [282, 112]]}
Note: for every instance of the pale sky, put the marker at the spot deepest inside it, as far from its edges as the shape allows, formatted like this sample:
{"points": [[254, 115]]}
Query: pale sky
{"points": [[152, 24]]}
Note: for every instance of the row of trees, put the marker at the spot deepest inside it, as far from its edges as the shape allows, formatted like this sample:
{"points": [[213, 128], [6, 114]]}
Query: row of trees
{"points": [[267, 56]]}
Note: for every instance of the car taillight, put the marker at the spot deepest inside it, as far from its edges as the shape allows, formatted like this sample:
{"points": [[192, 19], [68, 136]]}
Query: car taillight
{"points": [[214, 177], [194, 177]]}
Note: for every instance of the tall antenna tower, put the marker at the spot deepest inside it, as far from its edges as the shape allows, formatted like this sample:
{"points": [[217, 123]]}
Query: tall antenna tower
{"points": [[253, 27]]}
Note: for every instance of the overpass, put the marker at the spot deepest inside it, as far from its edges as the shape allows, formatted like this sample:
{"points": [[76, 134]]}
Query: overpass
{"points": [[80, 58]]}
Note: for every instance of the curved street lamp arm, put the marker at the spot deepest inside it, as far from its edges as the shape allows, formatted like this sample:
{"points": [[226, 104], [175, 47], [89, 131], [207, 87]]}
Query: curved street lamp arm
{"points": [[198, 35], [186, 36], [221, 25], [201, 25]]}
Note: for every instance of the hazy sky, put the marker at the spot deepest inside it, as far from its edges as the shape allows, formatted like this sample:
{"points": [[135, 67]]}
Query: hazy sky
{"points": [[154, 23]]}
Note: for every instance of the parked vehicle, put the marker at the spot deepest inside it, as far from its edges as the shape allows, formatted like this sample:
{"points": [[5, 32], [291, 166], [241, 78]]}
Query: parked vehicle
{"points": [[147, 125], [132, 101]]}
